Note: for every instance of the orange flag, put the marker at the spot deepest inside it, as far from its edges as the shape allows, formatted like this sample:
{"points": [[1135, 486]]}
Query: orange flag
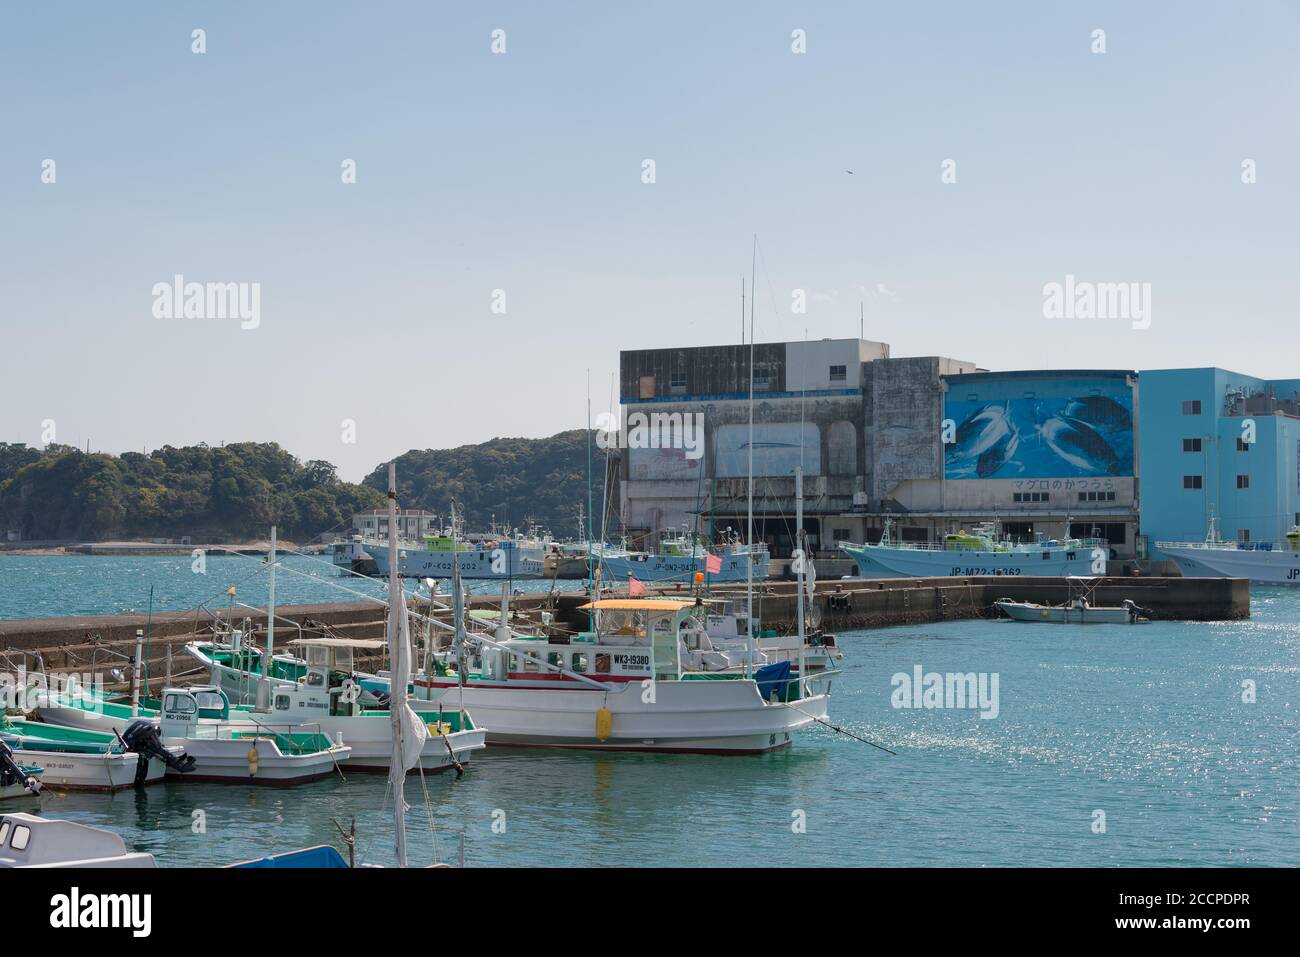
{"points": [[634, 588]]}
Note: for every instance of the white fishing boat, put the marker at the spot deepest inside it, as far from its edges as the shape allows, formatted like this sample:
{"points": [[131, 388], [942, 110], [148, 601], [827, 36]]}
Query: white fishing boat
{"points": [[980, 551], [1275, 563], [83, 759], [677, 558], [239, 752], [30, 841], [326, 702], [1078, 609], [1074, 613], [621, 687]]}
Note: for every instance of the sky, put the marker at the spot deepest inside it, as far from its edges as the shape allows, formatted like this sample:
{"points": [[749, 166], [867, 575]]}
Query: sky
{"points": [[993, 150]]}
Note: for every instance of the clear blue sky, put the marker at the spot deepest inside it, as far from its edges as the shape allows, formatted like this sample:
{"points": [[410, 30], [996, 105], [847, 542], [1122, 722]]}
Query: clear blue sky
{"points": [[523, 172]]}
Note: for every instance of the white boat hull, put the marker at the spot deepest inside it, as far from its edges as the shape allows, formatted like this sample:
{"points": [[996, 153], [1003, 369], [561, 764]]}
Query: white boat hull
{"points": [[680, 568], [369, 737], [228, 760], [1028, 611], [702, 716], [90, 772], [938, 563], [1277, 567], [510, 564]]}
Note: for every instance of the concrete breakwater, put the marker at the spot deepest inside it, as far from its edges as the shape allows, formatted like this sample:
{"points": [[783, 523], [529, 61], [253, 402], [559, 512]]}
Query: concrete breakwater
{"points": [[100, 644]]}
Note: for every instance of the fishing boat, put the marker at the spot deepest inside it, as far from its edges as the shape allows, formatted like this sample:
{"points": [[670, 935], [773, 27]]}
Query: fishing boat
{"points": [[326, 701], [1077, 613], [620, 687], [1275, 563], [1078, 609], [980, 551], [30, 841], [240, 752], [678, 557], [82, 759]]}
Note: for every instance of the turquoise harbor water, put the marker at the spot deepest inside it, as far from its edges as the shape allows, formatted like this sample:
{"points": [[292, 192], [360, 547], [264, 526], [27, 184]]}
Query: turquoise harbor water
{"points": [[46, 586], [1144, 723]]}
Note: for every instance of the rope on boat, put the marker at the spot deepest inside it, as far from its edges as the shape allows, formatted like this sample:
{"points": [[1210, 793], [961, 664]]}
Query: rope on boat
{"points": [[833, 727]]}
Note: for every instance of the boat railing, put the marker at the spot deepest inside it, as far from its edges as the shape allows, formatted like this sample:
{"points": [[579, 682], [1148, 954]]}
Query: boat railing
{"points": [[991, 546]]}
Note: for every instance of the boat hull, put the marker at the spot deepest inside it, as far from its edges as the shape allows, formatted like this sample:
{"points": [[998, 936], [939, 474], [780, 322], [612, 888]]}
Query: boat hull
{"points": [[679, 568], [692, 716], [480, 565], [90, 772], [1277, 567], [226, 760], [938, 563], [1027, 611]]}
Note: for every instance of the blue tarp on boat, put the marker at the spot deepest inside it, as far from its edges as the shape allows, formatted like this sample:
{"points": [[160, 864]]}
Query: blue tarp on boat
{"points": [[773, 677]]}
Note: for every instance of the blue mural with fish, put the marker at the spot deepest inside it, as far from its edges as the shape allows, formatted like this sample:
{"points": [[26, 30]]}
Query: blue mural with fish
{"points": [[1063, 436]]}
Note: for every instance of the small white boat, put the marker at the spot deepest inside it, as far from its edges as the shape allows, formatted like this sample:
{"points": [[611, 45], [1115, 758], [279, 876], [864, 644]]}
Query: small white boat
{"points": [[243, 753], [30, 841], [1076, 612], [77, 758]]}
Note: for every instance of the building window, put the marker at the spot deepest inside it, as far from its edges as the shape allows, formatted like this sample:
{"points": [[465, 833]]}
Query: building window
{"points": [[839, 373], [1191, 407], [1096, 496], [1191, 481], [1243, 534], [647, 387], [1243, 481], [1030, 496], [762, 378], [839, 534], [677, 383], [1242, 445], [1191, 445]]}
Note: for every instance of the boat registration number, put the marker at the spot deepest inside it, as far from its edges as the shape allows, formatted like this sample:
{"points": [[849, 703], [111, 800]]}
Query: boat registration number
{"points": [[632, 662], [972, 570]]}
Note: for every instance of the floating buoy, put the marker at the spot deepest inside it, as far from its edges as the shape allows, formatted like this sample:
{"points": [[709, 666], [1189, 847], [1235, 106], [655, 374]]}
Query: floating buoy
{"points": [[252, 761], [604, 723]]}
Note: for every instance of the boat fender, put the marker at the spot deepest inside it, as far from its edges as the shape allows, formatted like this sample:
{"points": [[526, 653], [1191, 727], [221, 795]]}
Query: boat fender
{"points": [[252, 761], [604, 724]]}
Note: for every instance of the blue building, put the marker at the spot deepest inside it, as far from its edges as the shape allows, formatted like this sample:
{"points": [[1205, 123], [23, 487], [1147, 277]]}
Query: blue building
{"points": [[1217, 444]]}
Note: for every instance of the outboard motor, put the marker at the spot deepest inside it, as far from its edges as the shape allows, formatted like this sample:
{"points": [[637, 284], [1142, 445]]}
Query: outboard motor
{"points": [[11, 771], [141, 737]]}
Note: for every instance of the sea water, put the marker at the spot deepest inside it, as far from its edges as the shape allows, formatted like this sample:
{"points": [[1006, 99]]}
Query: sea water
{"points": [[1170, 743]]}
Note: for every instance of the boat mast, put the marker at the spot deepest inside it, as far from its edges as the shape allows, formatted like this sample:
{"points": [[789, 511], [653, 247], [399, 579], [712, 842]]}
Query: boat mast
{"points": [[749, 557], [397, 687], [270, 611], [591, 578], [802, 554]]}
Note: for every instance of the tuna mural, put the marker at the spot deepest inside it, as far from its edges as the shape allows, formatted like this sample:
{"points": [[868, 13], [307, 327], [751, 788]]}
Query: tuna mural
{"points": [[1053, 437]]}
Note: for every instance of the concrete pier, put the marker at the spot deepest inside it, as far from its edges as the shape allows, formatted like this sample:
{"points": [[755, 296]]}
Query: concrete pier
{"points": [[102, 643]]}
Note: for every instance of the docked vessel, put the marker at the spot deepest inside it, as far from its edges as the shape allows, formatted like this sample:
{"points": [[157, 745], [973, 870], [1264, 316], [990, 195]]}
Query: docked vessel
{"points": [[30, 841], [93, 760], [621, 687], [1268, 562], [978, 552], [1072, 613], [678, 557], [501, 560]]}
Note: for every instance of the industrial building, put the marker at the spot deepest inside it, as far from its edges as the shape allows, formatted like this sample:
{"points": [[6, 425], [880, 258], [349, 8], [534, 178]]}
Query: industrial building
{"points": [[929, 443], [1222, 446]]}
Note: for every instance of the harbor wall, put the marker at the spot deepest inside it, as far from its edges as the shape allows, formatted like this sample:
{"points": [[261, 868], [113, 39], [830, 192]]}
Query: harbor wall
{"points": [[99, 644]]}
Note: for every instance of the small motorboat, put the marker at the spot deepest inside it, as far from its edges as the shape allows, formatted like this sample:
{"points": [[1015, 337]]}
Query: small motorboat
{"points": [[1076, 612], [18, 779], [92, 760]]}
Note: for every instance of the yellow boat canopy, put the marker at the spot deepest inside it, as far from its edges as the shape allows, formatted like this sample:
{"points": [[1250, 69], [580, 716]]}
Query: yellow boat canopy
{"points": [[638, 604], [341, 642]]}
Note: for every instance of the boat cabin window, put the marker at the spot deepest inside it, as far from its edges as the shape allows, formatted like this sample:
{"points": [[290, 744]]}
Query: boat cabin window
{"points": [[530, 662], [282, 702], [22, 834], [210, 701], [579, 663], [555, 658], [318, 655], [181, 703], [315, 679], [4, 833]]}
